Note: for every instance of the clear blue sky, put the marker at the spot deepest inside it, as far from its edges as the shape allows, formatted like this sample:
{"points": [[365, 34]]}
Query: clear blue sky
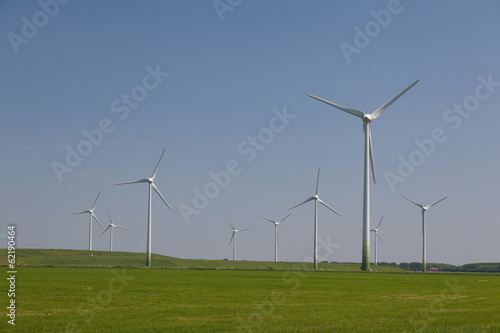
{"points": [[69, 71]]}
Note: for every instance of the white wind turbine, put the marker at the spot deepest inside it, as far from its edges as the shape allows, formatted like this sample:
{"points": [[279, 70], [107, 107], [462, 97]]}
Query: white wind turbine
{"points": [[377, 235], [111, 226], [152, 185], [424, 209], [233, 237], [368, 159], [276, 234], [92, 215], [316, 200]]}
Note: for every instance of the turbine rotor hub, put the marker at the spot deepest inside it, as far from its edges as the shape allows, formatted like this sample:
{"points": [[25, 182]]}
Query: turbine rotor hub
{"points": [[367, 118]]}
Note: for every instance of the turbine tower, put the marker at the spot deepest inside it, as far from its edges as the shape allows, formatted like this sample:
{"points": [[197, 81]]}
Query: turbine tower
{"points": [[233, 237], [276, 234], [111, 226], [152, 185], [368, 160], [377, 235], [424, 246], [316, 200], [92, 215]]}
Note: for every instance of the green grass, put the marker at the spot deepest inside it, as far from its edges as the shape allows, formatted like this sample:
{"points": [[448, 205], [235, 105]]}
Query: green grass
{"points": [[80, 258], [54, 299], [74, 291]]}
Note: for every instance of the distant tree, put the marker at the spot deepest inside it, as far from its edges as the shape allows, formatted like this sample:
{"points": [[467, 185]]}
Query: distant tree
{"points": [[415, 266], [404, 265], [324, 262]]}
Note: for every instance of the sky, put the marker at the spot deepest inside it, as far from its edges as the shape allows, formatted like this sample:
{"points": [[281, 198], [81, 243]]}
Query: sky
{"points": [[92, 92]]}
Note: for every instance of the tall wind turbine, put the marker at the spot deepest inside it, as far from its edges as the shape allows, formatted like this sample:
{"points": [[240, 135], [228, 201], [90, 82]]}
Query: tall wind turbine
{"points": [[368, 159], [316, 200], [233, 237], [377, 235], [92, 215], [424, 209], [152, 185], [111, 226], [276, 234]]}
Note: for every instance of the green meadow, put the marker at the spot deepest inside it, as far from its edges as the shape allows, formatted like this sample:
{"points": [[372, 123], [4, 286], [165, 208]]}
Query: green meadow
{"points": [[67, 298]]}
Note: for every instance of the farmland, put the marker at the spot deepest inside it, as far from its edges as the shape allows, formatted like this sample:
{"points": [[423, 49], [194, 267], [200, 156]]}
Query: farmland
{"points": [[116, 299]]}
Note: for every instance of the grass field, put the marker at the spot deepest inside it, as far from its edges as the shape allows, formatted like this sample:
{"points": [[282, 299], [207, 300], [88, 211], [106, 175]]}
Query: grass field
{"points": [[69, 299]]}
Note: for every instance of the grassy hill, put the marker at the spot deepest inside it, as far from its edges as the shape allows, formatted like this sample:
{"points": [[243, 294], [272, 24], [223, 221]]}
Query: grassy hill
{"points": [[82, 258]]}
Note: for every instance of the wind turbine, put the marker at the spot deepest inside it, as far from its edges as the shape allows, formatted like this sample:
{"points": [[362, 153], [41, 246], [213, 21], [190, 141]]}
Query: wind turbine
{"points": [[234, 237], [316, 200], [111, 226], [91, 215], [377, 235], [276, 234], [152, 185], [424, 209], [368, 160], [182, 255]]}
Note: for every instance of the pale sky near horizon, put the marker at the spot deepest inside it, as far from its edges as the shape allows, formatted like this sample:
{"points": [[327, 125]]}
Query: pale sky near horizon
{"points": [[225, 86]]}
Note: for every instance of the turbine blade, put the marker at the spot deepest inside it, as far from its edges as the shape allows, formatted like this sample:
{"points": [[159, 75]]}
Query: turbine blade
{"points": [[354, 112], [110, 220], [311, 198], [244, 229], [98, 194], [381, 109], [97, 219], [419, 205], [378, 225], [105, 230], [230, 225], [86, 211], [117, 226], [232, 237], [161, 196], [437, 202], [267, 219], [133, 182], [285, 217], [317, 183], [330, 208], [380, 237], [158, 164], [372, 163]]}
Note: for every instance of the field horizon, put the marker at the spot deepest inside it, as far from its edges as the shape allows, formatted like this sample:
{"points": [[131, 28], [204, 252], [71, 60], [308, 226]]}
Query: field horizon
{"points": [[106, 259], [117, 259]]}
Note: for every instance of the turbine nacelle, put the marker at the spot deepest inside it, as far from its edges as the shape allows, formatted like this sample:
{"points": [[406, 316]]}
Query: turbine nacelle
{"points": [[367, 118]]}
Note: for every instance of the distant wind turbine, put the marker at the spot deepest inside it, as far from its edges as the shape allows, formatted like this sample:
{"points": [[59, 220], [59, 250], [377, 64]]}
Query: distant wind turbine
{"points": [[233, 237], [424, 209], [152, 185], [368, 159], [316, 200], [377, 235], [276, 234], [91, 215], [182, 255], [111, 226]]}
